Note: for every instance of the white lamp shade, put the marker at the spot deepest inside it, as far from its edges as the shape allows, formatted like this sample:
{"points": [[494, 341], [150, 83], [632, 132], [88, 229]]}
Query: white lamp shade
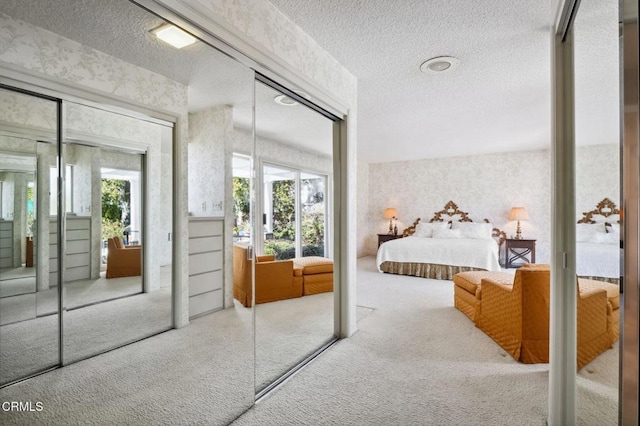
{"points": [[518, 213]]}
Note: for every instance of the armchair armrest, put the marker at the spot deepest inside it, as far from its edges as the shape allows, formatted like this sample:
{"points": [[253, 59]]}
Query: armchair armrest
{"points": [[593, 320], [501, 314], [502, 305]]}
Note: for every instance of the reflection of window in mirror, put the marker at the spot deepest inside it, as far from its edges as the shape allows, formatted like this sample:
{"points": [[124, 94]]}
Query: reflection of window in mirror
{"points": [[241, 188]]}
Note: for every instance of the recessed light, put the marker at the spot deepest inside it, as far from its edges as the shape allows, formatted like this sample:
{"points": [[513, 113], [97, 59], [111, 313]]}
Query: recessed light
{"points": [[174, 36], [439, 64], [285, 100]]}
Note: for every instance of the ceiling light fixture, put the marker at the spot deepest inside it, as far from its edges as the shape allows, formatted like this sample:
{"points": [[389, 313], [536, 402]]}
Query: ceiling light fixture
{"points": [[173, 35], [285, 100], [439, 65]]}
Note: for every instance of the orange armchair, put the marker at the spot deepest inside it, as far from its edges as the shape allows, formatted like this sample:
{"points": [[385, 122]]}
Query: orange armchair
{"points": [[275, 280], [517, 317], [123, 261]]}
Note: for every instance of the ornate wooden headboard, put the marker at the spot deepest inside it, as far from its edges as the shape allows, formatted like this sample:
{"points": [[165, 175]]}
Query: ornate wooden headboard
{"points": [[448, 214], [604, 208]]}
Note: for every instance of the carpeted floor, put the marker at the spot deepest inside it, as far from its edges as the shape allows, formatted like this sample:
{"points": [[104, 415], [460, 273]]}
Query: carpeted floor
{"points": [[31, 304], [288, 331], [415, 360]]}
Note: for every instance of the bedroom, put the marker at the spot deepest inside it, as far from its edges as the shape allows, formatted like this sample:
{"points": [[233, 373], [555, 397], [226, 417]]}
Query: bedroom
{"points": [[379, 224]]}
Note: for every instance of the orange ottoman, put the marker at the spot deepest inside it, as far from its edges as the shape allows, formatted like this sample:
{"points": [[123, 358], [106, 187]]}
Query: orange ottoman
{"points": [[467, 290], [317, 274]]}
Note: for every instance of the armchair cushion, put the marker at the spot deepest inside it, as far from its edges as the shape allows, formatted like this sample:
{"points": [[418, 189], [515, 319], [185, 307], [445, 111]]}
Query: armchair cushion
{"points": [[123, 261]]}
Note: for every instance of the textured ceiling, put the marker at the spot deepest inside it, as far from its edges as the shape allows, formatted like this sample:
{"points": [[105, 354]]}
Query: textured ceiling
{"points": [[498, 99]]}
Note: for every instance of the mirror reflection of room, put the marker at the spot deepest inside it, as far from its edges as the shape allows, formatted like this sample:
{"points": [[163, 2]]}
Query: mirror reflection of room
{"points": [[294, 299], [28, 299], [597, 186], [106, 272]]}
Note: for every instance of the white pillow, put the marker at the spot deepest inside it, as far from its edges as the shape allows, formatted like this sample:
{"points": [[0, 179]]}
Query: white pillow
{"points": [[446, 233], [610, 238], [587, 232], [478, 231], [425, 230]]}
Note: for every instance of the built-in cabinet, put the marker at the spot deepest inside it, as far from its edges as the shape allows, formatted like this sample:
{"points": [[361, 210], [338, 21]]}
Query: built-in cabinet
{"points": [[77, 260], [6, 243], [205, 265]]}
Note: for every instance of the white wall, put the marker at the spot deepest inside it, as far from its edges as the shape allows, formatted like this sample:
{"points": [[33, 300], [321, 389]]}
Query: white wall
{"points": [[363, 208]]}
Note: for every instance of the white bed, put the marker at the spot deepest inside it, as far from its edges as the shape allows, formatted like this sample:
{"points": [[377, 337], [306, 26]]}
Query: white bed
{"points": [[449, 243], [474, 253], [598, 251]]}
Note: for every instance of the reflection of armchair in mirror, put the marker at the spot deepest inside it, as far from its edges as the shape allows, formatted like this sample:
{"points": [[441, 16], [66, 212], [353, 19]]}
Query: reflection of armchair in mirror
{"points": [[122, 261]]}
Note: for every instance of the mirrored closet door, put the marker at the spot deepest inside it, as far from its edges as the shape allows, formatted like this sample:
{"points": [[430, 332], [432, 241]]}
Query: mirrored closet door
{"points": [[29, 311], [117, 229], [294, 280], [596, 74]]}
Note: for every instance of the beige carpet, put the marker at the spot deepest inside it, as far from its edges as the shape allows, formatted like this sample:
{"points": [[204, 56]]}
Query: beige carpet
{"points": [[288, 331], [415, 360]]}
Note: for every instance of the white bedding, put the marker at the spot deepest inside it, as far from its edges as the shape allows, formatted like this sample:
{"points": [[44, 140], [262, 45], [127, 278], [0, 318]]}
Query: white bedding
{"points": [[597, 260], [477, 253]]}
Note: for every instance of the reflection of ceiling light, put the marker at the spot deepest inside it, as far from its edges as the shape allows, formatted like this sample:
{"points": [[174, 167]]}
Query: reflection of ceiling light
{"points": [[174, 36], [439, 65], [284, 100]]}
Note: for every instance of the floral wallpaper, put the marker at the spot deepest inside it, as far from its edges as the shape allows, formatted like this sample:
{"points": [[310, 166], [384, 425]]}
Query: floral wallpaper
{"points": [[38, 50], [209, 132], [597, 176], [363, 206], [27, 111]]}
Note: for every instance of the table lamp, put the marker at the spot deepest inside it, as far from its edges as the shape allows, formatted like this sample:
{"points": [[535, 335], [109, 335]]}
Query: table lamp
{"points": [[390, 213], [518, 213]]}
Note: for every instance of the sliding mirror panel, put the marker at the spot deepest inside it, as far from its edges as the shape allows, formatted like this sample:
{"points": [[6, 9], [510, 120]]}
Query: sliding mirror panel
{"points": [[221, 200], [29, 332], [294, 272], [597, 186], [117, 230]]}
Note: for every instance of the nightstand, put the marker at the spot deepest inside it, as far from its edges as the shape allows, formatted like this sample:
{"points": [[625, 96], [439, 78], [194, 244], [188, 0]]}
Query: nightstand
{"points": [[524, 250], [382, 238]]}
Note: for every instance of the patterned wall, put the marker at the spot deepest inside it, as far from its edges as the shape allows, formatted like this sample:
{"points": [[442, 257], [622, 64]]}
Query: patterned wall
{"points": [[209, 131], [597, 176], [41, 51]]}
